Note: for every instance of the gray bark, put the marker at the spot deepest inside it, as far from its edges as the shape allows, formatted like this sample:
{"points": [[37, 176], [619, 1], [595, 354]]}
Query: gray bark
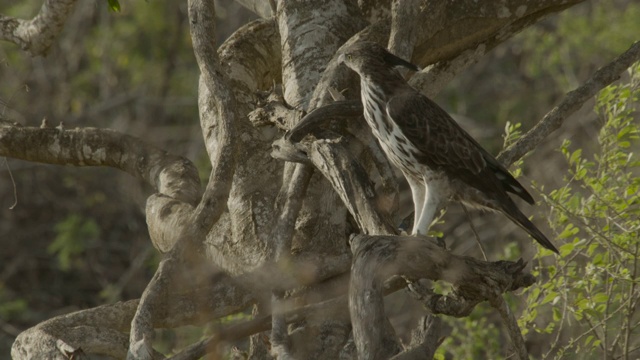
{"points": [[36, 35]]}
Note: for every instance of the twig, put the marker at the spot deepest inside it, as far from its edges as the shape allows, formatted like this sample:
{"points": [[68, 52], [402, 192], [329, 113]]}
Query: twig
{"points": [[475, 232], [13, 182]]}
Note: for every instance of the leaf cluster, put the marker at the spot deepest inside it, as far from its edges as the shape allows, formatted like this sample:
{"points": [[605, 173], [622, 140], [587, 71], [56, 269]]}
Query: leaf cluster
{"points": [[588, 303]]}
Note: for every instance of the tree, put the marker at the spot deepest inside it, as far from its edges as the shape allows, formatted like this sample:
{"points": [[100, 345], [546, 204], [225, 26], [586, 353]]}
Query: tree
{"points": [[275, 234]]}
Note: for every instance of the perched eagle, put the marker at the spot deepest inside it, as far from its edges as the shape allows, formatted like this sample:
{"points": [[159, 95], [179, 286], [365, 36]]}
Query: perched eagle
{"points": [[438, 158]]}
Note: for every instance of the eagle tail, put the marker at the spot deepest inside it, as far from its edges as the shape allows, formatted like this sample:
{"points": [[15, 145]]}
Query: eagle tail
{"points": [[510, 184], [513, 213]]}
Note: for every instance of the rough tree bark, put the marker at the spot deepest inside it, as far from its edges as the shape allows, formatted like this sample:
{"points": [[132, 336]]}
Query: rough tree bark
{"points": [[263, 226]]}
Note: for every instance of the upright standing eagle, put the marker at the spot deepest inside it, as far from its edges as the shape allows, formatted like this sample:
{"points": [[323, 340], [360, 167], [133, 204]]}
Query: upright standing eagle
{"points": [[438, 158]]}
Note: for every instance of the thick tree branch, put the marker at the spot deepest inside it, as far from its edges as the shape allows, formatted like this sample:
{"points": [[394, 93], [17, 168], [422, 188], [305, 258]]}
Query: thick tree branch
{"points": [[170, 175], [217, 113], [452, 27], [111, 322], [511, 323], [252, 60], [302, 64], [376, 258], [35, 36], [292, 196], [570, 104], [405, 15], [249, 67], [351, 182], [431, 80]]}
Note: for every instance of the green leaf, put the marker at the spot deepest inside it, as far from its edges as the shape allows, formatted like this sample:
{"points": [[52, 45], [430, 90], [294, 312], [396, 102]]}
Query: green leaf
{"points": [[114, 5], [550, 297], [600, 298], [575, 157]]}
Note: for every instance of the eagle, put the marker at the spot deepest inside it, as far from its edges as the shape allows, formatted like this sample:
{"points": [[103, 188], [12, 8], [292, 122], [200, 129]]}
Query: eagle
{"points": [[439, 159]]}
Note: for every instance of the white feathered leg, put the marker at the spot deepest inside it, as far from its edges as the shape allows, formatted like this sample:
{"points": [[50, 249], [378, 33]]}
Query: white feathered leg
{"points": [[418, 193], [429, 206]]}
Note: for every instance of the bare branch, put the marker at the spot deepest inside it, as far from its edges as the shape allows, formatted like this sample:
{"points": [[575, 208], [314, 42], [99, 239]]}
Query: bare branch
{"points": [[570, 104], [171, 175], [511, 323], [35, 36]]}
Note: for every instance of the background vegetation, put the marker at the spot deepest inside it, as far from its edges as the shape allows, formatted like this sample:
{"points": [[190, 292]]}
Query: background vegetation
{"points": [[74, 238]]}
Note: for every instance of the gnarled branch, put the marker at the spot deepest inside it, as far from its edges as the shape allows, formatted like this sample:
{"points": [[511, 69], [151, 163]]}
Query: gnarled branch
{"points": [[35, 36], [170, 175], [378, 257], [217, 113]]}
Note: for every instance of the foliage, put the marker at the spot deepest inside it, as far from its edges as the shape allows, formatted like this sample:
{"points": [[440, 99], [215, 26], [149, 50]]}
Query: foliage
{"points": [[599, 31], [74, 234], [473, 337], [587, 301], [521, 80], [10, 307]]}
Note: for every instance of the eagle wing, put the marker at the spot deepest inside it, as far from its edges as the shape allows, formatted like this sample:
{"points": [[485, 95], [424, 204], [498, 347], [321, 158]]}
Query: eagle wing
{"points": [[442, 144]]}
